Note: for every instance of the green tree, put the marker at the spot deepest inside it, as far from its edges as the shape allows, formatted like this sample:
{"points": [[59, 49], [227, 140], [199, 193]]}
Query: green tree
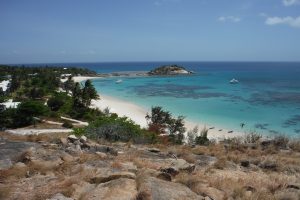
{"points": [[161, 121], [36, 93], [77, 96], [177, 129], [56, 102], [88, 93], [15, 83], [26, 111], [69, 84]]}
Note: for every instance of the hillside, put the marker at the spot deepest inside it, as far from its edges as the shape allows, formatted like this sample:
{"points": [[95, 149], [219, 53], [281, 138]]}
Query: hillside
{"points": [[60, 167]]}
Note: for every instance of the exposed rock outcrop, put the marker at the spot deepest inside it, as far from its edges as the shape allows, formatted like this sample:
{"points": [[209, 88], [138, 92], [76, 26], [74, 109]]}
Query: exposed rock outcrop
{"points": [[119, 189]]}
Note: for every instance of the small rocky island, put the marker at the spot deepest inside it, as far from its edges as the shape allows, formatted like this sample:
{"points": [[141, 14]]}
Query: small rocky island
{"points": [[168, 70]]}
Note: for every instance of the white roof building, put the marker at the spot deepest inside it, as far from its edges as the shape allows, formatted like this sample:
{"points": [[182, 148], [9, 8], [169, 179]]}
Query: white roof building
{"points": [[10, 104], [4, 85]]}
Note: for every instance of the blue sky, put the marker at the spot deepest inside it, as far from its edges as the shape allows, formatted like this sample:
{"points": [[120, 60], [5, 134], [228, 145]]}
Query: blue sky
{"points": [[39, 31]]}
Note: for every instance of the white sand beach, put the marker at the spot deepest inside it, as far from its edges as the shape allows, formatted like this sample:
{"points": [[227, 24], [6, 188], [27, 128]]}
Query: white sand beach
{"points": [[137, 114]]}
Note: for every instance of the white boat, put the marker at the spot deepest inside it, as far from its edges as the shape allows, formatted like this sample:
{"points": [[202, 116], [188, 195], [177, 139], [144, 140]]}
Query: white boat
{"points": [[119, 81], [233, 81]]}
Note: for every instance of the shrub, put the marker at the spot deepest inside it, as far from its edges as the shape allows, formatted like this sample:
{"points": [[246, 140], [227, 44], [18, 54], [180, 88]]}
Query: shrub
{"points": [[202, 139], [114, 128], [67, 124], [23, 115], [252, 137], [78, 131], [280, 141], [161, 121], [295, 145], [55, 102]]}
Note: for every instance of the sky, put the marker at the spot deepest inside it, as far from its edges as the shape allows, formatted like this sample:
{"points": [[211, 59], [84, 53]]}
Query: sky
{"points": [[55, 31]]}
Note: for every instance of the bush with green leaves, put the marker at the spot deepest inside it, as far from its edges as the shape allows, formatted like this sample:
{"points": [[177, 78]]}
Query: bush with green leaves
{"points": [[79, 131], [27, 110], [161, 122], [113, 128], [57, 101], [202, 139], [23, 115]]}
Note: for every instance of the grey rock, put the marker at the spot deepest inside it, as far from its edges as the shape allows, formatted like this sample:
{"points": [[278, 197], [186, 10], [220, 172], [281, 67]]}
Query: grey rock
{"points": [[129, 166], [119, 189], [5, 163], [104, 149], [268, 164], [157, 189], [59, 196], [63, 141], [154, 150], [105, 174], [207, 191], [205, 160], [83, 139], [72, 138]]}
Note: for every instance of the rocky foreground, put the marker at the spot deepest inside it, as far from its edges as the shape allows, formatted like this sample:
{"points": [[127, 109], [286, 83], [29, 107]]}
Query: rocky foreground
{"points": [[61, 167]]}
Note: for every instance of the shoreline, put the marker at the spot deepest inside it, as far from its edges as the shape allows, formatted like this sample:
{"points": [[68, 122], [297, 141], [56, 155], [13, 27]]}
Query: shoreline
{"points": [[138, 113]]}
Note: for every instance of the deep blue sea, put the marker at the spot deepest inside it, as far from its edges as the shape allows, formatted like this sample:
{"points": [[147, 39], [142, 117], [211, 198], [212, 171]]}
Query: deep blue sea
{"points": [[267, 98]]}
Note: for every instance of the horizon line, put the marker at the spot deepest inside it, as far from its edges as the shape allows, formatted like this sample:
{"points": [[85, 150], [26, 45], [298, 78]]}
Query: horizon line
{"points": [[165, 61]]}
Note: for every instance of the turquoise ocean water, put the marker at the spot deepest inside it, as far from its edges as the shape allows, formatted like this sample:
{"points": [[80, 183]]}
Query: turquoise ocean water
{"points": [[267, 99]]}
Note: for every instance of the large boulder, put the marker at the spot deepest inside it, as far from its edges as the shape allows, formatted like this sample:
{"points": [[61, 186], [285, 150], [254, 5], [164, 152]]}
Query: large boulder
{"points": [[151, 188], [119, 189], [72, 138], [105, 174], [174, 166], [207, 191], [59, 196]]}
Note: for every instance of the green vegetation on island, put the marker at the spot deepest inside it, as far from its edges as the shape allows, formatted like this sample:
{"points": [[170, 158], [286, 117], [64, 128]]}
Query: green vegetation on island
{"points": [[168, 70]]}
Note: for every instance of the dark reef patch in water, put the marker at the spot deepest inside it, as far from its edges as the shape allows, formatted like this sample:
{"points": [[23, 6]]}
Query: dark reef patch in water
{"points": [[293, 121], [176, 90], [273, 132], [261, 126], [274, 98]]}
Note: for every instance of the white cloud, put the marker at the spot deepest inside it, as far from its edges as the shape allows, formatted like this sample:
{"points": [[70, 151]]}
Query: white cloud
{"points": [[290, 21], [229, 19], [290, 2]]}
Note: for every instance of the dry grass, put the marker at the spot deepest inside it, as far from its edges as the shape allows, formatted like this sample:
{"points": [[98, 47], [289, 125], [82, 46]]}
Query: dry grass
{"points": [[238, 184], [53, 137], [295, 145], [144, 163], [4, 192], [116, 165], [13, 173], [221, 163]]}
